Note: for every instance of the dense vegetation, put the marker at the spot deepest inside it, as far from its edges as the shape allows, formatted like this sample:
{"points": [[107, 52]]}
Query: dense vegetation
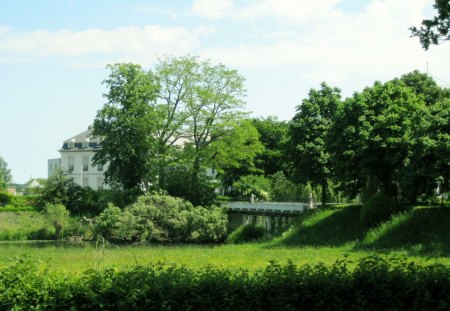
{"points": [[374, 284]]}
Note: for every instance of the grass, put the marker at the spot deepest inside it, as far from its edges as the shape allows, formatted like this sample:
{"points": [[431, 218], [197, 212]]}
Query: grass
{"points": [[422, 235], [23, 225]]}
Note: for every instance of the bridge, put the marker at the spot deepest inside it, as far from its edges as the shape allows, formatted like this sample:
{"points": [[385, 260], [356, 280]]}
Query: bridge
{"points": [[271, 215]]}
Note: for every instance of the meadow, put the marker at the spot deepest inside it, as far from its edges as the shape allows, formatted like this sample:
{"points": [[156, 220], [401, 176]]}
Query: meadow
{"points": [[420, 235]]}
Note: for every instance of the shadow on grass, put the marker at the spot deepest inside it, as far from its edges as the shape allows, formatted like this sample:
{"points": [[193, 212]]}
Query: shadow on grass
{"points": [[329, 227], [421, 231]]}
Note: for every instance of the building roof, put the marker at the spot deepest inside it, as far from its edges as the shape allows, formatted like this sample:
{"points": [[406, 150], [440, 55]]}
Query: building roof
{"points": [[84, 140], [82, 137]]}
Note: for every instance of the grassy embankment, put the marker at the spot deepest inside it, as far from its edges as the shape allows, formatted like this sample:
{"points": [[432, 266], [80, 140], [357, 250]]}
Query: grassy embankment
{"points": [[422, 234]]}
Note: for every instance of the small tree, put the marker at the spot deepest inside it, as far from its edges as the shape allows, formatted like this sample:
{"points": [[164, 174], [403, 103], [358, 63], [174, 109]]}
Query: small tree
{"points": [[5, 174], [58, 216]]}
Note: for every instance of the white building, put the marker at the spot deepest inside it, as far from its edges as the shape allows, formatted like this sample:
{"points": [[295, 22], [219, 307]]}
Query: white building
{"points": [[76, 159]]}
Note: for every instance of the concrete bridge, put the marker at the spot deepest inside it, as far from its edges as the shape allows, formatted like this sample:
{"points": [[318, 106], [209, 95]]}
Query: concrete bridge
{"points": [[271, 215]]}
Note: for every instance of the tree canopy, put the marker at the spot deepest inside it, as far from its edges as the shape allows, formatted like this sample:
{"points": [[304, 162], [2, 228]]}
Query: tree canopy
{"points": [[374, 134], [186, 112], [434, 31], [309, 131], [5, 174], [125, 124]]}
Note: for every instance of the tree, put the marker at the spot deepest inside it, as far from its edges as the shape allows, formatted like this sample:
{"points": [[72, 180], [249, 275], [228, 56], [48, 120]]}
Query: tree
{"points": [[419, 177], [126, 124], [273, 135], [5, 174], [309, 131], [234, 154], [176, 78], [58, 216], [214, 110], [374, 135], [434, 31]]}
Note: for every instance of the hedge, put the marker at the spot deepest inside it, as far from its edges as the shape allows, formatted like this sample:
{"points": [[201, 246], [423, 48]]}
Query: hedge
{"points": [[374, 284]]}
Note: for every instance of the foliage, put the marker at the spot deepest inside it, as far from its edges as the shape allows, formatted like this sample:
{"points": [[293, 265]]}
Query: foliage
{"points": [[5, 198], [377, 209], [374, 134], [434, 31], [246, 233], [273, 134], [162, 218], [125, 124], [175, 184], [374, 284], [58, 216], [5, 174], [61, 189], [282, 189], [107, 223], [246, 186], [309, 137]]}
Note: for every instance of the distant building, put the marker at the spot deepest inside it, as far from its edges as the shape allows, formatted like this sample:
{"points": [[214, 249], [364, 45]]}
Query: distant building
{"points": [[76, 159], [11, 190]]}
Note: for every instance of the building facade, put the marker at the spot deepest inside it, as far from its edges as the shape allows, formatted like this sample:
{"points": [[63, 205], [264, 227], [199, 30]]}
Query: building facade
{"points": [[76, 159]]}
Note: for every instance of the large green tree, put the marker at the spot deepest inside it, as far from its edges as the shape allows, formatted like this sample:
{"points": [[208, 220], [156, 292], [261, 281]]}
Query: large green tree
{"points": [[435, 30], [309, 131], [215, 109], [126, 124], [374, 135], [420, 176], [176, 77], [5, 174], [273, 135]]}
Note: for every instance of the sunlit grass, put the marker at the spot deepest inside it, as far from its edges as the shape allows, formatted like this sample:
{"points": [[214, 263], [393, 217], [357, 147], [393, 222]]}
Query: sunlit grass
{"points": [[325, 236]]}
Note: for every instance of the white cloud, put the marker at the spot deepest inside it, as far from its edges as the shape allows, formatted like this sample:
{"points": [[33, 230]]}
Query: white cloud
{"points": [[293, 11], [212, 9], [131, 43]]}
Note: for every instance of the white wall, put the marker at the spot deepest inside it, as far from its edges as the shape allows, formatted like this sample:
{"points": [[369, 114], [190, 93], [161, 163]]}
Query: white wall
{"points": [[92, 175]]}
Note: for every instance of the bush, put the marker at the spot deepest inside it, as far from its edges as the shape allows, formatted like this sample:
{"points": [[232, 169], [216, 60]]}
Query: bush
{"points": [[5, 198], [374, 284], [246, 233], [377, 209], [162, 218]]}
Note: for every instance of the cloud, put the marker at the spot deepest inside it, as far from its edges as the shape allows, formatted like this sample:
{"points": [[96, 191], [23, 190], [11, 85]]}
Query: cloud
{"points": [[127, 42], [376, 39], [212, 9]]}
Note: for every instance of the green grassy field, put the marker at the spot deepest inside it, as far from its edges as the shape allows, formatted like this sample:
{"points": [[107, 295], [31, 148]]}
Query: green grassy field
{"points": [[422, 235]]}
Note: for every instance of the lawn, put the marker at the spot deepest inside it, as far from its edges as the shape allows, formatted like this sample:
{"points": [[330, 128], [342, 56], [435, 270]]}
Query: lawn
{"points": [[326, 236]]}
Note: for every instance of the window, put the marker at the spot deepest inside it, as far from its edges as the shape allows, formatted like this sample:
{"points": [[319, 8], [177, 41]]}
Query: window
{"points": [[70, 168], [100, 183], [85, 163], [85, 182], [100, 168]]}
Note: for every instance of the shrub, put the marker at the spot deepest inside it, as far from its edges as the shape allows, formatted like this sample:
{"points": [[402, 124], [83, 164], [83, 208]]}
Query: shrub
{"points": [[377, 209], [162, 218], [58, 216], [107, 223], [246, 233], [374, 284], [5, 198]]}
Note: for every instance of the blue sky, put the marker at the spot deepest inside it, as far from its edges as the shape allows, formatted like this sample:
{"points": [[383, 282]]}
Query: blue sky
{"points": [[53, 56]]}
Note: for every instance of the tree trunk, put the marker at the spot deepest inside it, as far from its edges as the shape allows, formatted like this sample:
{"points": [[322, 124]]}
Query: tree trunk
{"points": [[58, 232], [324, 192]]}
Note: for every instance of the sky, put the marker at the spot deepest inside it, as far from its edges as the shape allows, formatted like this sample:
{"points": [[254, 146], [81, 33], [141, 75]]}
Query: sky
{"points": [[53, 55]]}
